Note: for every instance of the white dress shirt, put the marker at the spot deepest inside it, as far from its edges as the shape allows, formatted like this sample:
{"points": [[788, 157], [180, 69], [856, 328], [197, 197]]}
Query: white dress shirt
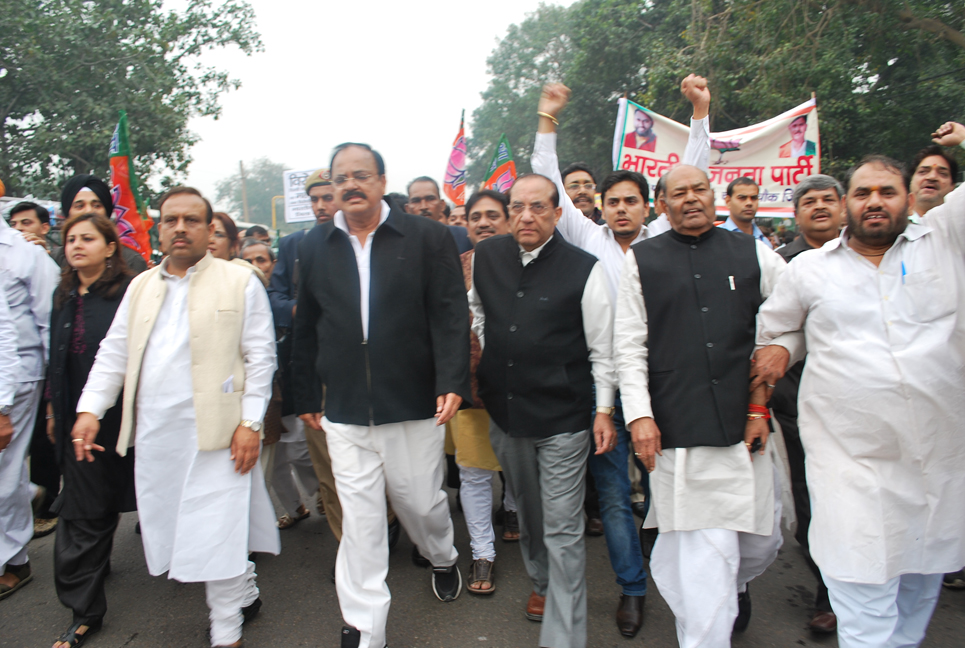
{"points": [[597, 324], [579, 230], [701, 487], [28, 277], [9, 360], [363, 258], [882, 397]]}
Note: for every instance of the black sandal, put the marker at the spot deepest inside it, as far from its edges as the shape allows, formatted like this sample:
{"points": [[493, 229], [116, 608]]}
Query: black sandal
{"points": [[74, 639]]}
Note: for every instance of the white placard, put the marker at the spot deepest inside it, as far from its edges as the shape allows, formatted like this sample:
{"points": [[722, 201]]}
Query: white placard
{"points": [[298, 206]]}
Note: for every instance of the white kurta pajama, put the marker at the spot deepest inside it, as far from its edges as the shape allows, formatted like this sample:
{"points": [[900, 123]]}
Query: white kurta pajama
{"points": [[27, 280], [718, 509], [881, 407], [199, 517]]}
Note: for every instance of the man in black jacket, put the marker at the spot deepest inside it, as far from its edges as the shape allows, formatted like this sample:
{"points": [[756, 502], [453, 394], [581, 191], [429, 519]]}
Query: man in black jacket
{"points": [[383, 324], [543, 317]]}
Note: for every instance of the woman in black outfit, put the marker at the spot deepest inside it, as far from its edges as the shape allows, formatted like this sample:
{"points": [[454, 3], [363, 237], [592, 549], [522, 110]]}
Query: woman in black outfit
{"points": [[95, 493]]}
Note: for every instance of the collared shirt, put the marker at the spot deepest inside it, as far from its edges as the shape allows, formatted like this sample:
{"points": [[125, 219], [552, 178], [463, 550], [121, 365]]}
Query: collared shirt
{"points": [[729, 224], [363, 258], [599, 240], [597, 324], [881, 399], [9, 360], [659, 225], [28, 277], [165, 382]]}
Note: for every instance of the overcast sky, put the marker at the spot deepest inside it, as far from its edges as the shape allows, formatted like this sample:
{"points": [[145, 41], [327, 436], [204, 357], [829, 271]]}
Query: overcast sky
{"points": [[393, 74]]}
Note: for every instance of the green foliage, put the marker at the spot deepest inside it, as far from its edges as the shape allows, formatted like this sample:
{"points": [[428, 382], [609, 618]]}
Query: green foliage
{"points": [[886, 73], [69, 65], [263, 181]]}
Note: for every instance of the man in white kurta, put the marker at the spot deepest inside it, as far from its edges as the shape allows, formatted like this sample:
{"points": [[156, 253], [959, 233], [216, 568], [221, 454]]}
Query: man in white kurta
{"points": [[684, 361], [200, 511], [27, 280], [881, 405]]}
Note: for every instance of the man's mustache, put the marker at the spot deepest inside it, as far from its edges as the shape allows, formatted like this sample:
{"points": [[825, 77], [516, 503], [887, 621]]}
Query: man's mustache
{"points": [[482, 229], [353, 193]]}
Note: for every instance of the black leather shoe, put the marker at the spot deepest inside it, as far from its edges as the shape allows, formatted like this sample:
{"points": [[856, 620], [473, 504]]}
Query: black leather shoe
{"points": [[446, 583], [639, 509], [351, 638], [418, 560], [251, 611], [395, 530], [594, 526], [647, 538], [743, 610], [630, 615]]}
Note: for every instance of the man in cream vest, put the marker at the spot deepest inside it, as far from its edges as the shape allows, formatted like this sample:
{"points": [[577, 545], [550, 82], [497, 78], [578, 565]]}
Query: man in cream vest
{"points": [[193, 347]]}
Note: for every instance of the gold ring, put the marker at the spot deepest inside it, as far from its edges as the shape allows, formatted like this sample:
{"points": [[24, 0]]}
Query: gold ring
{"points": [[77, 440], [747, 444]]}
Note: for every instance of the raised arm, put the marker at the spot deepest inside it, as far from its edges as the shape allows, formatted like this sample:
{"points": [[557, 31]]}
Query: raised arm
{"points": [[697, 152], [576, 228], [949, 218]]}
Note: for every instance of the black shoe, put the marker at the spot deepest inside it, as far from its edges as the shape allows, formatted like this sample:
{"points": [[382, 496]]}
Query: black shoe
{"points": [[417, 558], [954, 580], [351, 638], [647, 538], [446, 583], [395, 530], [510, 527], [594, 526], [73, 638], [639, 509], [137, 528], [500, 515], [251, 611], [743, 610]]}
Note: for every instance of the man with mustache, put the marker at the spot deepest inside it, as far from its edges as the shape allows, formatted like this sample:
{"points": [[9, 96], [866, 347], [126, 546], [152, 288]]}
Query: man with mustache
{"points": [[192, 346], [743, 198], [382, 326], [818, 210], [625, 206], [933, 176], [881, 401], [425, 200], [580, 185], [684, 335]]}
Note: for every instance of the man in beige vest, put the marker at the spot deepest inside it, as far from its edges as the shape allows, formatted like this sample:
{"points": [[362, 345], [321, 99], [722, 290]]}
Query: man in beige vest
{"points": [[193, 347]]}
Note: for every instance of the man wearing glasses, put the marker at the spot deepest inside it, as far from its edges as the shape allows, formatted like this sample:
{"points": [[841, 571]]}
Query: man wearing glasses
{"points": [[543, 317], [383, 325], [580, 185]]}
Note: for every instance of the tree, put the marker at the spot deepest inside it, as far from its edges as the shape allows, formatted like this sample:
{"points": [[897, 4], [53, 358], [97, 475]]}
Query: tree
{"points": [[263, 180], [67, 66], [885, 72]]}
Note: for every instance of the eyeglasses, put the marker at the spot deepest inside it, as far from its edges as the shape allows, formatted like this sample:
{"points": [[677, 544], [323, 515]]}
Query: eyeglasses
{"points": [[575, 186], [360, 177], [536, 209]]}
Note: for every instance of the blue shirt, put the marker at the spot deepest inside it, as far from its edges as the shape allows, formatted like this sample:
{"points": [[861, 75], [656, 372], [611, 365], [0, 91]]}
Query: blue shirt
{"points": [[729, 224]]}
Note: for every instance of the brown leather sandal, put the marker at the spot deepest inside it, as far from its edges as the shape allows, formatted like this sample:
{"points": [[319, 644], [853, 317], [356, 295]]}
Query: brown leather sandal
{"points": [[286, 521], [482, 571]]}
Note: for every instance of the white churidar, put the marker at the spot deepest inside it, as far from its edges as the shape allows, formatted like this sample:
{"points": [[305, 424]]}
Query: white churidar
{"points": [[401, 460], [225, 599]]}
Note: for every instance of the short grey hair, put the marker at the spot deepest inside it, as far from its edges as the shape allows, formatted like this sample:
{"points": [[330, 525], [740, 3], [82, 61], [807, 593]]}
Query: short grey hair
{"points": [[816, 182], [252, 242]]}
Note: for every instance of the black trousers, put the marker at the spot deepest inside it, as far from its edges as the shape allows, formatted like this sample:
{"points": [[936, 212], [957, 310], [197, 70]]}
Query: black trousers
{"points": [[44, 470], [802, 500], [82, 556]]}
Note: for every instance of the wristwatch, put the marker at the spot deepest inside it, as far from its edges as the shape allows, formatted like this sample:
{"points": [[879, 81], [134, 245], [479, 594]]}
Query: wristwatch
{"points": [[254, 426], [605, 410], [5, 410]]}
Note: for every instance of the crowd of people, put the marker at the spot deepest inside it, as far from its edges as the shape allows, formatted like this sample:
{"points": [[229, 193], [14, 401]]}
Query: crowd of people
{"points": [[603, 369]]}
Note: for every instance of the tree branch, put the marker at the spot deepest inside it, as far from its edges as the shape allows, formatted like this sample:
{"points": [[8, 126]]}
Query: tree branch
{"points": [[936, 27]]}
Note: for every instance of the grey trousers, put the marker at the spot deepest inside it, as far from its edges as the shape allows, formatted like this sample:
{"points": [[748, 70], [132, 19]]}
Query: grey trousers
{"points": [[547, 477]]}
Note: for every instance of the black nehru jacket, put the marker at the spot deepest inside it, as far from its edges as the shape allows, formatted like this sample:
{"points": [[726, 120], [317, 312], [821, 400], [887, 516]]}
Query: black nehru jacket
{"points": [[418, 344], [702, 295], [535, 375]]}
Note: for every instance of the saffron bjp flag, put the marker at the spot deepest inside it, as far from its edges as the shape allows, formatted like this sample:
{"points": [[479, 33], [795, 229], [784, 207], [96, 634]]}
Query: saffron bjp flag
{"points": [[776, 154], [455, 179], [130, 213], [502, 170]]}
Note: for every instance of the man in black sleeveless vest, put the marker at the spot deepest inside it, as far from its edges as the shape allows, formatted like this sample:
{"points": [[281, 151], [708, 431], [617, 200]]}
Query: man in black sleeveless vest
{"points": [[683, 339], [544, 321]]}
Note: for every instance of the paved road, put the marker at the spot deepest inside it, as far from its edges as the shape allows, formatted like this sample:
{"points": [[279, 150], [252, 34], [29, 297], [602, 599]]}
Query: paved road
{"points": [[301, 608]]}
